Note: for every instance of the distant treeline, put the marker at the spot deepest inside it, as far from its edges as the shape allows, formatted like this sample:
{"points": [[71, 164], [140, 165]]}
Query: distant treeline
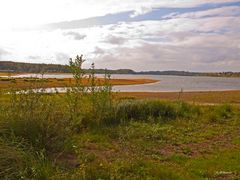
{"points": [[17, 67], [9, 66], [31, 68], [186, 73]]}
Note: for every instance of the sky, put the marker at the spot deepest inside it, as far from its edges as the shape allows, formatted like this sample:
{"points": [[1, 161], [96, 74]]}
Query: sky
{"points": [[189, 35]]}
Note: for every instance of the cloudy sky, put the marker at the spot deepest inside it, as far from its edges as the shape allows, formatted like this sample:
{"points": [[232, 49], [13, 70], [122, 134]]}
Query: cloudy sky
{"points": [[192, 35]]}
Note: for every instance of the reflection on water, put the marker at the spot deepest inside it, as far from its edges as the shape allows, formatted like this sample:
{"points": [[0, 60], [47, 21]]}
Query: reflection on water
{"points": [[166, 83]]}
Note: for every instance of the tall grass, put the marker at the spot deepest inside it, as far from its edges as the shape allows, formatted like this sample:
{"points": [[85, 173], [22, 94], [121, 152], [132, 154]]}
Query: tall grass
{"points": [[221, 113], [143, 110]]}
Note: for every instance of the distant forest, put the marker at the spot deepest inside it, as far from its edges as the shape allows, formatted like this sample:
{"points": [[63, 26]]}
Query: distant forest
{"points": [[17, 67], [9, 66]]}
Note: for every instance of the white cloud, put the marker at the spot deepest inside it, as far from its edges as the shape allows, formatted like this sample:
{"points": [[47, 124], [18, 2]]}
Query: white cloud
{"points": [[223, 11], [75, 35], [141, 11]]}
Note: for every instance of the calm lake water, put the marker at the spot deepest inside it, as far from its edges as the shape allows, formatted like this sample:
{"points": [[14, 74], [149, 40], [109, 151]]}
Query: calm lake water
{"points": [[167, 83]]}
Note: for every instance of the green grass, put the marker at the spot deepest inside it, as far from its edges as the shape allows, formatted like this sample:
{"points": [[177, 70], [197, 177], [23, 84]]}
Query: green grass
{"points": [[164, 150], [220, 164], [134, 139]]}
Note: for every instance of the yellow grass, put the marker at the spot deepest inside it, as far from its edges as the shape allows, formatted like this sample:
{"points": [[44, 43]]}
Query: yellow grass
{"points": [[9, 74], [6, 83]]}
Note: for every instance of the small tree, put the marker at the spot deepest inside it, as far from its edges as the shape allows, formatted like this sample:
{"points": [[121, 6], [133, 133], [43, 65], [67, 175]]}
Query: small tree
{"points": [[76, 93], [89, 99], [77, 71]]}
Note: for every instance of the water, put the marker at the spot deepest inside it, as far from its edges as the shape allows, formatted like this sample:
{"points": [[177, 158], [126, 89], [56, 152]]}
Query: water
{"points": [[166, 83], [176, 83]]}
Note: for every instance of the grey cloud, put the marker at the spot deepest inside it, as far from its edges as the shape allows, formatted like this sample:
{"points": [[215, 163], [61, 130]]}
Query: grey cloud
{"points": [[115, 40], [98, 51], [210, 44], [205, 55], [113, 27], [35, 57], [3, 52], [75, 35], [62, 57]]}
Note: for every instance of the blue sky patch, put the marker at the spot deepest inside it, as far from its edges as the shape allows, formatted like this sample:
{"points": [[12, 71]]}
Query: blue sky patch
{"points": [[156, 14]]}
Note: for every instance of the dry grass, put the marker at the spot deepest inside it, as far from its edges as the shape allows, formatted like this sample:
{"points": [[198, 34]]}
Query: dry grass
{"points": [[10, 74], [6, 83], [198, 97]]}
